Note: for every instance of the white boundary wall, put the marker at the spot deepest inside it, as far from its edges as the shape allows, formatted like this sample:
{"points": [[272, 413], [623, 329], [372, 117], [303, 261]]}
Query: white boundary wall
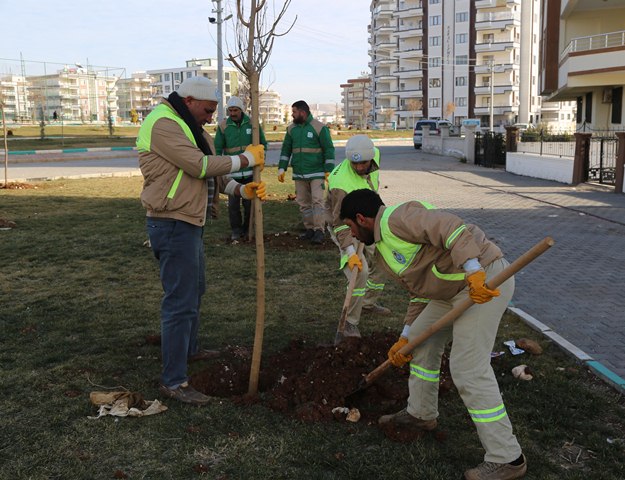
{"points": [[536, 166]]}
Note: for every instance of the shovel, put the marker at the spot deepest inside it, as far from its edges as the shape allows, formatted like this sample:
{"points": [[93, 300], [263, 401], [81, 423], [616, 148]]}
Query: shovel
{"points": [[348, 299], [533, 253]]}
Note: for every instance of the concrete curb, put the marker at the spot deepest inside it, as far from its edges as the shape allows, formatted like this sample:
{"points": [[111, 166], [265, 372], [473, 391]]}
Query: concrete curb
{"points": [[596, 367], [69, 150], [129, 173]]}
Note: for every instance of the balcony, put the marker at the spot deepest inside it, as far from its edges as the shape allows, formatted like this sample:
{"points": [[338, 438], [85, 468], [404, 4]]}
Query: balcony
{"points": [[409, 31], [499, 67], [382, 11], [410, 53], [497, 89], [406, 9], [613, 40], [497, 110], [410, 72], [496, 46], [497, 21], [411, 93]]}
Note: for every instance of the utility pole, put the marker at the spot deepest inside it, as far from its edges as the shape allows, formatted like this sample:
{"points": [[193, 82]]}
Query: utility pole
{"points": [[492, 93], [220, 58]]}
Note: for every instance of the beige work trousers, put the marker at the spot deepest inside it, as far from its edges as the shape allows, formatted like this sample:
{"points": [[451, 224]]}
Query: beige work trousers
{"points": [[309, 196], [473, 335], [369, 285]]}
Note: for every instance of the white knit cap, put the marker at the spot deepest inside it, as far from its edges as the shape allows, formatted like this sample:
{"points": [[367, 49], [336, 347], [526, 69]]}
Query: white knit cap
{"points": [[200, 88], [359, 148], [236, 103]]}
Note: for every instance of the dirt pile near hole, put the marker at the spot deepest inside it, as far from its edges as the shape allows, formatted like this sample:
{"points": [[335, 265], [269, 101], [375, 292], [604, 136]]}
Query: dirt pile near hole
{"points": [[307, 381]]}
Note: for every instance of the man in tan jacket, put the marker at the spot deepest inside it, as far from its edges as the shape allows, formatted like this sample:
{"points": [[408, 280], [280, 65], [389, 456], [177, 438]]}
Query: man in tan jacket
{"points": [[441, 261], [179, 170]]}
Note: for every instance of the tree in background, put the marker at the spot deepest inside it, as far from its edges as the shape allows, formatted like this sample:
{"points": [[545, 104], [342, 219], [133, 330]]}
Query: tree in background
{"points": [[134, 116], [414, 104]]}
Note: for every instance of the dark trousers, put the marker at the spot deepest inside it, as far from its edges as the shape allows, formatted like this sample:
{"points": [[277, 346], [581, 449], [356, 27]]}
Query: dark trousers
{"points": [[239, 225], [179, 248]]}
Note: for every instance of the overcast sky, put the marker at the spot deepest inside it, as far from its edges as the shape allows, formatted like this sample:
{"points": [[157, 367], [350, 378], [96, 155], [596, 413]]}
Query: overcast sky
{"points": [[327, 46]]}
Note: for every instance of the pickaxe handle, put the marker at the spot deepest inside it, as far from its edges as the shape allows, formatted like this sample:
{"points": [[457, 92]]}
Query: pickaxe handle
{"points": [[529, 256]]}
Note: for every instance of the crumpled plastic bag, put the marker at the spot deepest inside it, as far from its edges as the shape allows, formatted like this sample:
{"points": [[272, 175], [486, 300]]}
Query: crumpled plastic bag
{"points": [[124, 404], [514, 350]]}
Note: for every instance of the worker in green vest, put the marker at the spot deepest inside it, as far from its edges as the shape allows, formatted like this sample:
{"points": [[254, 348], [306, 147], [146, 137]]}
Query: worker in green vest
{"points": [[360, 169], [308, 148], [233, 136], [442, 261]]}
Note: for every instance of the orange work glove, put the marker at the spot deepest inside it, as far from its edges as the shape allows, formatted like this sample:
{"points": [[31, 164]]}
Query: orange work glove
{"points": [[354, 261], [255, 155], [478, 291], [281, 174], [396, 358], [254, 189], [327, 175]]}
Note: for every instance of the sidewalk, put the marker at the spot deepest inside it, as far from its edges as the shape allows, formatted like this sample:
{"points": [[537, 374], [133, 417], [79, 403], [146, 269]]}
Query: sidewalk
{"points": [[576, 289]]}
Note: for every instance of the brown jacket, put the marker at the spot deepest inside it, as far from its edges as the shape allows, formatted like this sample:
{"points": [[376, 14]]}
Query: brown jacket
{"points": [[414, 223], [171, 151]]}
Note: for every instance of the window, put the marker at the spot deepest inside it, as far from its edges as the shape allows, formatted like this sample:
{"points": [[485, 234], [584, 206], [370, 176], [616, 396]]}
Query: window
{"points": [[167, 77], [432, 2], [588, 110], [461, 81], [435, 82], [167, 89], [189, 74], [435, 41], [460, 101], [461, 38], [227, 87], [462, 59], [462, 17], [488, 38], [227, 75], [434, 102], [435, 20], [435, 62], [485, 102], [177, 76]]}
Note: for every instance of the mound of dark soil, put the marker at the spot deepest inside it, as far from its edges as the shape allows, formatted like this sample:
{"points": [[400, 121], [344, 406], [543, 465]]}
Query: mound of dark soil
{"points": [[307, 381]]}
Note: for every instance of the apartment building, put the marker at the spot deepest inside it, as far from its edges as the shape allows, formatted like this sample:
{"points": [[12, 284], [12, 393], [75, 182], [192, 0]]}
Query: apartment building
{"points": [[75, 94], [269, 107], [355, 97], [135, 93], [166, 80], [455, 59], [583, 59], [14, 90]]}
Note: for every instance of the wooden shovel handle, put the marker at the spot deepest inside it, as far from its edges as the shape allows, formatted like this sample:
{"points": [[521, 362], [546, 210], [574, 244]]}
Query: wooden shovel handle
{"points": [[529, 256], [348, 296]]}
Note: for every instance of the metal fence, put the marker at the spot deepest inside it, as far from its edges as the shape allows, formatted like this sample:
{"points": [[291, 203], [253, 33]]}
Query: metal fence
{"points": [[602, 158]]}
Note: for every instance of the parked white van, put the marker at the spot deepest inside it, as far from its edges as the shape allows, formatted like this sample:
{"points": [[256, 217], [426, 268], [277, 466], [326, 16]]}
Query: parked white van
{"points": [[434, 125]]}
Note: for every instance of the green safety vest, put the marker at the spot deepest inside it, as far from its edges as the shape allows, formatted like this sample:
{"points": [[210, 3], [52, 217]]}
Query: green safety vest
{"points": [[345, 178], [399, 254], [144, 139]]}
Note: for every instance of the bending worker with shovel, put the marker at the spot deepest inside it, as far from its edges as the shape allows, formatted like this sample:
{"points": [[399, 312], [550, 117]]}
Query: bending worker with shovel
{"points": [[360, 169], [441, 261]]}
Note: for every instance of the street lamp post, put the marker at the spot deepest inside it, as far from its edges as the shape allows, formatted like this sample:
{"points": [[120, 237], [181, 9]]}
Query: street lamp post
{"points": [[220, 58]]}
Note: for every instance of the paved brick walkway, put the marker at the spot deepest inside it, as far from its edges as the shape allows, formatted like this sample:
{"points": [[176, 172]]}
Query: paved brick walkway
{"points": [[577, 288]]}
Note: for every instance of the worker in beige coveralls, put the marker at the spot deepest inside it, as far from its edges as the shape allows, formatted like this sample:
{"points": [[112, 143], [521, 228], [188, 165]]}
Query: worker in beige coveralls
{"points": [[441, 261]]}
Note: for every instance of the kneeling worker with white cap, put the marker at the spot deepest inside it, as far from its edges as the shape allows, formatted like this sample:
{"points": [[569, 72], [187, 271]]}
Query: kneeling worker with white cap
{"points": [[360, 169]]}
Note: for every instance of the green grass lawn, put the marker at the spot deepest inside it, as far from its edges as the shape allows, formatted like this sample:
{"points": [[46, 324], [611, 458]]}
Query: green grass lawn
{"points": [[79, 292]]}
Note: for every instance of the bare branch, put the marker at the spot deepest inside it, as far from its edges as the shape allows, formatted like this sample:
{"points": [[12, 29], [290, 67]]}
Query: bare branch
{"points": [[240, 13]]}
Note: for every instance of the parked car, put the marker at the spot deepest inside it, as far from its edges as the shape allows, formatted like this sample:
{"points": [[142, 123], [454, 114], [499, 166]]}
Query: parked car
{"points": [[522, 126], [417, 136]]}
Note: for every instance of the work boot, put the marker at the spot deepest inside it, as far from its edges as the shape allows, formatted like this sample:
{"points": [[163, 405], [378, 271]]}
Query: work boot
{"points": [[404, 419], [351, 330], [317, 237], [204, 355], [376, 309], [185, 393], [498, 471], [307, 235]]}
